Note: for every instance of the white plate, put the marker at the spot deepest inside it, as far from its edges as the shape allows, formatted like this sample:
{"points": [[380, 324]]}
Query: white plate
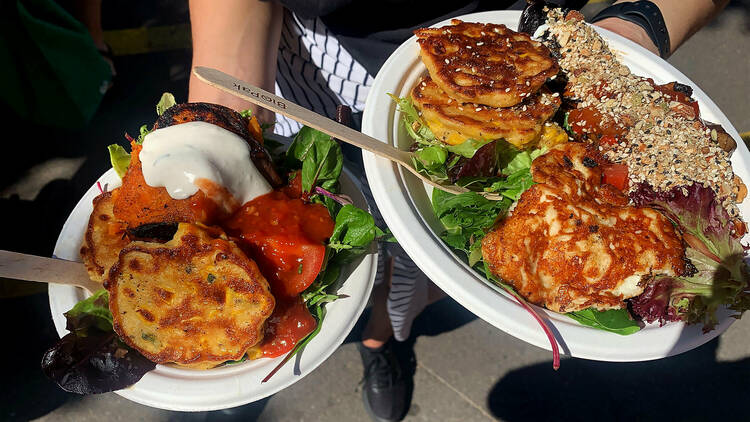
{"points": [[404, 202], [168, 387]]}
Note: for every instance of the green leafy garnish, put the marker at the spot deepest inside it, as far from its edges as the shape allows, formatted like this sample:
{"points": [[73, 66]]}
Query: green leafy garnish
{"points": [[515, 160], [119, 158], [430, 161], [166, 101], [467, 148], [91, 312], [566, 125], [616, 321], [466, 217], [413, 123], [320, 156], [431, 157], [143, 131], [516, 165], [355, 228]]}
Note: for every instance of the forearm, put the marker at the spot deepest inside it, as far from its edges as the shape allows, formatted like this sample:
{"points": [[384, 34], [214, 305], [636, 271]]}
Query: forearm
{"points": [[682, 17], [240, 37]]}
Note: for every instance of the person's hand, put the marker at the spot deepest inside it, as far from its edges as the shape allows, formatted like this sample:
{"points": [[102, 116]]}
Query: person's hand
{"points": [[630, 31]]}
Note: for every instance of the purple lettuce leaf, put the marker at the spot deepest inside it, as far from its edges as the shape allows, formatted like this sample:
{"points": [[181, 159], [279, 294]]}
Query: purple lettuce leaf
{"points": [[720, 277]]}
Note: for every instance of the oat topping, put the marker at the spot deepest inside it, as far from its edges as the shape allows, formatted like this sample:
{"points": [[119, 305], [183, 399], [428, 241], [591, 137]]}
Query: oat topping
{"points": [[663, 142]]}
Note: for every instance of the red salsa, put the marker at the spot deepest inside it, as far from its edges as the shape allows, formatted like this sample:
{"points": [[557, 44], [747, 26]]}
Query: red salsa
{"points": [[286, 237], [289, 323]]}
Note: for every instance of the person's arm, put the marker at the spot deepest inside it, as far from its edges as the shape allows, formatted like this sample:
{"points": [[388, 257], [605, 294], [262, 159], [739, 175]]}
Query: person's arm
{"points": [[239, 37], [683, 18]]}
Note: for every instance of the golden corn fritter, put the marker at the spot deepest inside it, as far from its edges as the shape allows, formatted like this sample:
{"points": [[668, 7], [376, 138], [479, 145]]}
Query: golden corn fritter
{"points": [[572, 243], [104, 238], [196, 300], [485, 63], [454, 122]]}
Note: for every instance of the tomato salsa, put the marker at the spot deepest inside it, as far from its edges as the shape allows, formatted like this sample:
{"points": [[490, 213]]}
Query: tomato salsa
{"points": [[286, 237]]}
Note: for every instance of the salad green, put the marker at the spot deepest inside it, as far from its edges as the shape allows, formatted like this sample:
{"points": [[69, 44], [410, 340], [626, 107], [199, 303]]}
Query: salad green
{"points": [[91, 359]]}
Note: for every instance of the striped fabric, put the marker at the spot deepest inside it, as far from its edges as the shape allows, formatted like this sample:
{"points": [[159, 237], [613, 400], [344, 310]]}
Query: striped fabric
{"points": [[315, 72]]}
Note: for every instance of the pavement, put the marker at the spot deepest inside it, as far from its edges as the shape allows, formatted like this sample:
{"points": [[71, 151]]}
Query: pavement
{"points": [[467, 370]]}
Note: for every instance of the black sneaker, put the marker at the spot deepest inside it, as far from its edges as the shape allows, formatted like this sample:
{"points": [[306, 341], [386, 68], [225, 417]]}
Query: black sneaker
{"points": [[388, 382]]}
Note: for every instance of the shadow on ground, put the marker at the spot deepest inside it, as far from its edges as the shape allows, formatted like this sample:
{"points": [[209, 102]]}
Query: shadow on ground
{"points": [[684, 387], [25, 392]]}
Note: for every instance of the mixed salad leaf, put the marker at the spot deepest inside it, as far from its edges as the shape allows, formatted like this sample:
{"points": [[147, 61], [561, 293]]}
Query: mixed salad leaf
{"points": [[320, 157], [721, 276], [118, 156], [91, 359]]}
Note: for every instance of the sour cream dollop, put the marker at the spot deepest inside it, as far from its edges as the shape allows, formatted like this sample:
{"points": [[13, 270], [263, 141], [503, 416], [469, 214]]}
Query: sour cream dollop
{"points": [[177, 156]]}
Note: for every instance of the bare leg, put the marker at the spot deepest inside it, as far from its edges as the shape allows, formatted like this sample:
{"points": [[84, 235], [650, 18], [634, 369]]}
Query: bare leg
{"points": [[378, 329]]}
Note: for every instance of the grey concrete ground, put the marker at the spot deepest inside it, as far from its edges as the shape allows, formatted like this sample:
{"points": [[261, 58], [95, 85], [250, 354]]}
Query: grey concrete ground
{"points": [[467, 370]]}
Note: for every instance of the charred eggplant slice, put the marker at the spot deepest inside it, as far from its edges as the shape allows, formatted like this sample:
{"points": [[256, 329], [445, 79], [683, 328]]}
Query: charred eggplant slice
{"points": [[153, 232], [533, 16]]}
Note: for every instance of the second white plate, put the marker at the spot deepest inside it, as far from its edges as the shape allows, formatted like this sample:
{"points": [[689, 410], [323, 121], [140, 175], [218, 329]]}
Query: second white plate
{"points": [[404, 202]]}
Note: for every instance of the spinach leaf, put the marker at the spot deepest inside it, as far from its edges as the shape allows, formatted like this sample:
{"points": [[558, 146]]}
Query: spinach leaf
{"points": [[430, 161], [437, 172], [617, 321], [354, 230], [320, 156], [119, 158]]}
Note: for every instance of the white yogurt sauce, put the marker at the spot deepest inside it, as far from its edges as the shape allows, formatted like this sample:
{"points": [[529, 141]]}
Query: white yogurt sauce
{"points": [[176, 156]]}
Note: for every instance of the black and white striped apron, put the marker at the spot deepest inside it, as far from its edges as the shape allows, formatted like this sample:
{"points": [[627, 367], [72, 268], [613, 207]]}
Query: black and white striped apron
{"points": [[316, 72]]}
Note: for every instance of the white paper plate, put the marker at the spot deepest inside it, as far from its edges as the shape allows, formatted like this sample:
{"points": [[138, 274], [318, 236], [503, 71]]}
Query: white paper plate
{"points": [[404, 202], [172, 388]]}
